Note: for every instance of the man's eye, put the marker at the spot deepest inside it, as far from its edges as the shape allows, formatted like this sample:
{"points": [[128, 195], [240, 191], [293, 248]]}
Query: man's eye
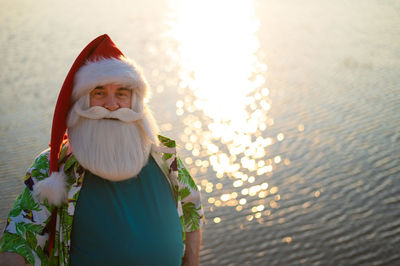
{"points": [[98, 92], [122, 94]]}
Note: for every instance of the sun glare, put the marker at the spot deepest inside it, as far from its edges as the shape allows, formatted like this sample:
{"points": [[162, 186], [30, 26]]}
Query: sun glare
{"points": [[217, 49], [225, 101]]}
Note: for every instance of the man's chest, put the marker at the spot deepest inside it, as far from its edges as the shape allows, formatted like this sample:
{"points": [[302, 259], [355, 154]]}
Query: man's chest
{"points": [[139, 214]]}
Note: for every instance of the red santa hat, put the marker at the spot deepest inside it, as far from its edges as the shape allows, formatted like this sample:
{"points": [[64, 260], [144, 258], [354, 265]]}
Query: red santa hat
{"points": [[99, 63]]}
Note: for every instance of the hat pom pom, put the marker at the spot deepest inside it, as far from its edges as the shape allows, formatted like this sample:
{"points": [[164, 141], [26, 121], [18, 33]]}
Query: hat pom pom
{"points": [[53, 188]]}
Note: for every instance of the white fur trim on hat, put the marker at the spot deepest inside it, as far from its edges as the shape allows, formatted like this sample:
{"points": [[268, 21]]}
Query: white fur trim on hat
{"points": [[105, 71], [53, 189]]}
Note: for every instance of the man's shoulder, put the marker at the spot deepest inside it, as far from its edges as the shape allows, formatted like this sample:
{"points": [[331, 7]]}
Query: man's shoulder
{"points": [[40, 166]]}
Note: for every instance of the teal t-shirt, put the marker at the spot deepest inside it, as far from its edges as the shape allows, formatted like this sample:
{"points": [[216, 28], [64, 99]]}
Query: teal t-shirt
{"points": [[131, 222]]}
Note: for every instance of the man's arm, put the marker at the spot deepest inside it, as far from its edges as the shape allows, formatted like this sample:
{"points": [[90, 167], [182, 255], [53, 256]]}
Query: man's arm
{"points": [[11, 259], [26, 221], [192, 251]]}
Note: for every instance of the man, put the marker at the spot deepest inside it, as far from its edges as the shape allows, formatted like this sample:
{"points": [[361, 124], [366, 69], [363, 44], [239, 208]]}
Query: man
{"points": [[113, 190]]}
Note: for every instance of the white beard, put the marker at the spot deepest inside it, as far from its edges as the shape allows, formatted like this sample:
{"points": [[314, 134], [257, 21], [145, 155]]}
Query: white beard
{"points": [[112, 149]]}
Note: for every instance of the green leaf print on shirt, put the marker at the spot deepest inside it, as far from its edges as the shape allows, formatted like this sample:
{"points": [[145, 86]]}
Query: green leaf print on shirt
{"points": [[23, 228], [167, 142], [185, 192], [27, 201], [191, 215], [63, 153], [16, 243], [24, 202], [70, 161], [40, 167], [184, 176]]}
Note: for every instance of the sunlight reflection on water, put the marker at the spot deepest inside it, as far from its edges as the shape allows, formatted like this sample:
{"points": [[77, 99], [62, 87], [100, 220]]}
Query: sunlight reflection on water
{"points": [[297, 165], [225, 105]]}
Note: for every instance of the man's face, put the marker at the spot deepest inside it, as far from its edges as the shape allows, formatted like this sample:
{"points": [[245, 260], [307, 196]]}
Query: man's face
{"points": [[111, 97], [113, 130]]}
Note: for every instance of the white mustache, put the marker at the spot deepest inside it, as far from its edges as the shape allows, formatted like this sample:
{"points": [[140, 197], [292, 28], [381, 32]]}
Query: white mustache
{"points": [[126, 115], [97, 112]]}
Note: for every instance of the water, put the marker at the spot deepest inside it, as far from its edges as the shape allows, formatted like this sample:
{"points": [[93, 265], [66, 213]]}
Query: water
{"points": [[287, 114]]}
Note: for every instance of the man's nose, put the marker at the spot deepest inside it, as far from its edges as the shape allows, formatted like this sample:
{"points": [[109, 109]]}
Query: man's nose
{"points": [[111, 103]]}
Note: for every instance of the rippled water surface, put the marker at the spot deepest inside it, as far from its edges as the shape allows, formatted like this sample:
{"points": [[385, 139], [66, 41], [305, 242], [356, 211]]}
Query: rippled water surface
{"points": [[286, 112]]}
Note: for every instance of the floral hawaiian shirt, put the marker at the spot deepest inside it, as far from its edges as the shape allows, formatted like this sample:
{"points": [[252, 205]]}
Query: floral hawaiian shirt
{"points": [[27, 228]]}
